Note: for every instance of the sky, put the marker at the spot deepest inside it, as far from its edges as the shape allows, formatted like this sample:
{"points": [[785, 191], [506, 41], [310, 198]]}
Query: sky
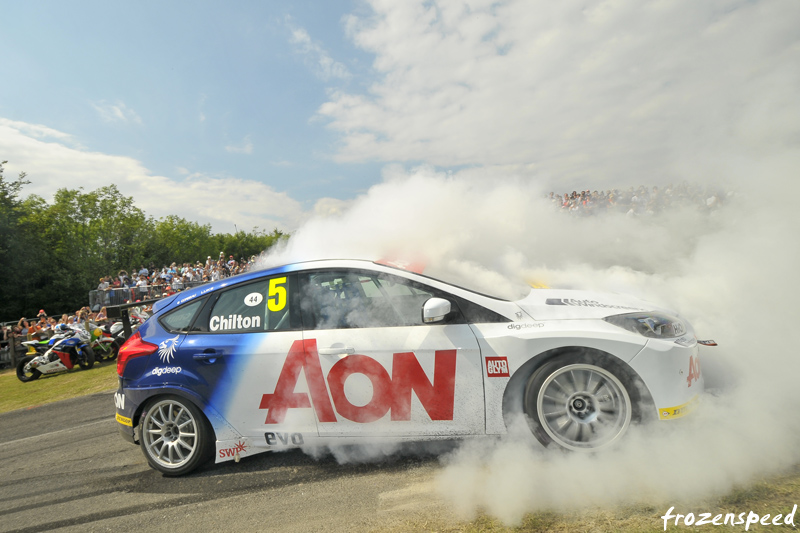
{"points": [[268, 114]]}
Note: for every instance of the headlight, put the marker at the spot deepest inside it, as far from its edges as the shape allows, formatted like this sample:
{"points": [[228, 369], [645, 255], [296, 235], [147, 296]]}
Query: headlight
{"points": [[652, 325]]}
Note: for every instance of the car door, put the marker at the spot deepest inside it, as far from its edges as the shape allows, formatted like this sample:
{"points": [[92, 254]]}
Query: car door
{"points": [[376, 368], [239, 343]]}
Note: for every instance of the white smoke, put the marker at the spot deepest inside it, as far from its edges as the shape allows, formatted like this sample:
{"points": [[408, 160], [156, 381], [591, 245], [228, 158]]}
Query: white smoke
{"points": [[731, 273], [594, 96]]}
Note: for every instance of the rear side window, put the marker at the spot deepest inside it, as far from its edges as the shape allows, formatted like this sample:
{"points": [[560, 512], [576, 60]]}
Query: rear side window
{"points": [[180, 319], [260, 306]]}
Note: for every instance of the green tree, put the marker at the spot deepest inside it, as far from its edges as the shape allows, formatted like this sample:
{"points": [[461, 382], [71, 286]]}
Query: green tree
{"points": [[243, 245], [82, 237], [122, 230], [19, 250], [180, 240], [53, 254]]}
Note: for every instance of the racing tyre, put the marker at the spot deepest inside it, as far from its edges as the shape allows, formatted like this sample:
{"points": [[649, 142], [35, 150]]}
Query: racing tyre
{"points": [[175, 436], [31, 374], [87, 361], [579, 404]]}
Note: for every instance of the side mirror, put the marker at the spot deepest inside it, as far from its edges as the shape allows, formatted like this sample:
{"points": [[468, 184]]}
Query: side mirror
{"points": [[434, 310]]}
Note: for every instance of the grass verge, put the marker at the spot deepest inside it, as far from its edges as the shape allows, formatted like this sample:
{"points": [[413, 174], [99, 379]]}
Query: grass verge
{"points": [[15, 394]]}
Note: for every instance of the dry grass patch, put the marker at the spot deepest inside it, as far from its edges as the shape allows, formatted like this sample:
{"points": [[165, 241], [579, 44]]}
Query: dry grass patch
{"points": [[47, 389], [775, 495]]}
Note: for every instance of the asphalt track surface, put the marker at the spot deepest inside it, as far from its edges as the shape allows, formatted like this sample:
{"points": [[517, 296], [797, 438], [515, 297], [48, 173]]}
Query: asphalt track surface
{"points": [[65, 468]]}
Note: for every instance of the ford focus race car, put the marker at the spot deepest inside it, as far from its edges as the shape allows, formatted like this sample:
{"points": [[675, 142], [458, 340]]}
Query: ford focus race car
{"points": [[334, 351]]}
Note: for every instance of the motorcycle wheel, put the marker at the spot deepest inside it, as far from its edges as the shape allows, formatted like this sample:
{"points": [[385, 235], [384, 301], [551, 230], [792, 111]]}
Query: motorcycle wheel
{"points": [[114, 350], [102, 353], [87, 361], [26, 376]]}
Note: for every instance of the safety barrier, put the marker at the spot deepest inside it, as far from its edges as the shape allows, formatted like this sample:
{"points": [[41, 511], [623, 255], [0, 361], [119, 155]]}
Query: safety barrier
{"points": [[104, 298]]}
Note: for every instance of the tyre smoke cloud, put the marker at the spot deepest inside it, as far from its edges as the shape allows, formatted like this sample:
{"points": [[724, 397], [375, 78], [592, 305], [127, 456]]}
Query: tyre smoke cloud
{"points": [[731, 273]]}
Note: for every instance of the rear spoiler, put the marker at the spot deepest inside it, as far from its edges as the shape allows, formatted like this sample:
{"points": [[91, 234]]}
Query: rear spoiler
{"points": [[121, 312]]}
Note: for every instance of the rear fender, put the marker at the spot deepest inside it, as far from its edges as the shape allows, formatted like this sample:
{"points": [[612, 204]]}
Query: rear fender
{"points": [[222, 429]]}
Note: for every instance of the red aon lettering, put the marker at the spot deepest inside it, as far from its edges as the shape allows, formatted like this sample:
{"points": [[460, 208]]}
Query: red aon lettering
{"points": [[694, 370], [389, 393]]}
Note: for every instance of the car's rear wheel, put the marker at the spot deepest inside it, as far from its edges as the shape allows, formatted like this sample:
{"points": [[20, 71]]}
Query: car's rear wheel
{"points": [[175, 436], [577, 403]]}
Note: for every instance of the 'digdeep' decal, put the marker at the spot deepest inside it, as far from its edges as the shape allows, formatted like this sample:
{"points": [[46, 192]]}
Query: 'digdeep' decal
{"points": [[391, 393]]}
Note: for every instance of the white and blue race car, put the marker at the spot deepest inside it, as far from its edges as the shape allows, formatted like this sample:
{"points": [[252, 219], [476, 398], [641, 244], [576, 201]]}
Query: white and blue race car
{"points": [[335, 351]]}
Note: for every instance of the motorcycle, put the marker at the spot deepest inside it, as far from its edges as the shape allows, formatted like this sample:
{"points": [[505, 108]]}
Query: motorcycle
{"points": [[136, 317], [105, 341], [42, 346], [73, 349]]}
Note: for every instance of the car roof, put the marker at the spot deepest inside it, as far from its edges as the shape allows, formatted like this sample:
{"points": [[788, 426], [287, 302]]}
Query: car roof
{"points": [[382, 266]]}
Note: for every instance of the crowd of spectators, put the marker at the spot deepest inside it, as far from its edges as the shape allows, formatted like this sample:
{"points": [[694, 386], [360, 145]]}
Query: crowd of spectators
{"points": [[140, 284], [152, 282], [639, 201]]}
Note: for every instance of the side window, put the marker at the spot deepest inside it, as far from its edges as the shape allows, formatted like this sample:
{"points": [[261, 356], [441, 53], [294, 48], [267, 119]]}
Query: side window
{"points": [[180, 319], [260, 306], [360, 300], [405, 298]]}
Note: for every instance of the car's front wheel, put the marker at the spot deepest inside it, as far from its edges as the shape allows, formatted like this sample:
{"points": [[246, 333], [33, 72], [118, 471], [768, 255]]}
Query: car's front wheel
{"points": [[175, 436], [577, 403]]}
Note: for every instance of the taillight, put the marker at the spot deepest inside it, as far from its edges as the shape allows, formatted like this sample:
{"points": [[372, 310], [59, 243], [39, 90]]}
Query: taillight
{"points": [[133, 347]]}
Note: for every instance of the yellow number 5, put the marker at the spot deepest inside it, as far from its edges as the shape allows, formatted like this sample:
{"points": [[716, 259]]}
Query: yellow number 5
{"points": [[279, 292]]}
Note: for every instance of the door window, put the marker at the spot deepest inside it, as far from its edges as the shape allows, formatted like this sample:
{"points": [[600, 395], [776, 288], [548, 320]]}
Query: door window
{"points": [[346, 299]]}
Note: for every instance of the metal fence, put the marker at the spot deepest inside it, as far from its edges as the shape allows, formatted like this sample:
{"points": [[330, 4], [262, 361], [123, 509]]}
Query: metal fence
{"points": [[103, 298], [10, 351]]}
